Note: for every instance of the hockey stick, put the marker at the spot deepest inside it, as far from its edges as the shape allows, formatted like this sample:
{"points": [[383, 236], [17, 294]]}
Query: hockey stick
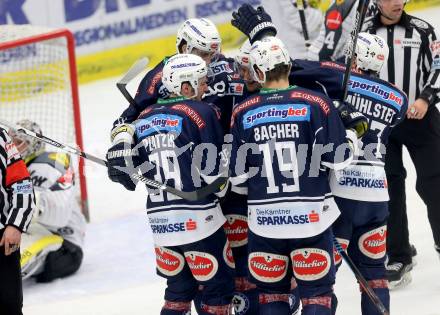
{"points": [[302, 17], [360, 16], [362, 282], [134, 70], [188, 195]]}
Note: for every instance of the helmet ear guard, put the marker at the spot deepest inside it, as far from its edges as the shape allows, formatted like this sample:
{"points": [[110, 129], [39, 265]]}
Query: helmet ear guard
{"points": [[266, 54], [183, 68]]}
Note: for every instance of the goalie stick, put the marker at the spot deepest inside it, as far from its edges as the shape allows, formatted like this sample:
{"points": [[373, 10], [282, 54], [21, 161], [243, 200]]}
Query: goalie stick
{"points": [[361, 11], [134, 70], [362, 282], [302, 17], [195, 195]]}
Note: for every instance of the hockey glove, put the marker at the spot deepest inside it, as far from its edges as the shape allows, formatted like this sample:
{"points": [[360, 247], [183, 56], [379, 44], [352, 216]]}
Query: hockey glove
{"points": [[351, 118], [122, 155], [255, 24]]}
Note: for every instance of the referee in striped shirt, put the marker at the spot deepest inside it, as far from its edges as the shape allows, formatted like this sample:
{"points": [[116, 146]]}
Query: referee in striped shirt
{"points": [[16, 207], [413, 66]]}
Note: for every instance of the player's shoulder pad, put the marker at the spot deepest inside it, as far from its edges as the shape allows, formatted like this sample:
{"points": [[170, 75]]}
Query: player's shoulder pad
{"points": [[152, 79], [313, 98], [419, 24], [199, 113], [299, 64], [59, 160], [248, 103]]}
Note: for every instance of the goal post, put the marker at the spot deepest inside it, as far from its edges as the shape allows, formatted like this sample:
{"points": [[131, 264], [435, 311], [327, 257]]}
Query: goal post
{"points": [[38, 81]]}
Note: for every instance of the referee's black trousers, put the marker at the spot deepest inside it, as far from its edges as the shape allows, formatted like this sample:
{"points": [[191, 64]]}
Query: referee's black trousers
{"points": [[11, 294], [422, 139]]}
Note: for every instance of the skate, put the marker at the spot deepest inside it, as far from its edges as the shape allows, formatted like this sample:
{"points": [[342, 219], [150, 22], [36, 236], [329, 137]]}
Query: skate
{"points": [[398, 275]]}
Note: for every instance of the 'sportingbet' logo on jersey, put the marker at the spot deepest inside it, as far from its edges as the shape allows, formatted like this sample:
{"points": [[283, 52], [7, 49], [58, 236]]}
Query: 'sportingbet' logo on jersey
{"points": [[377, 91], [158, 123], [278, 113]]}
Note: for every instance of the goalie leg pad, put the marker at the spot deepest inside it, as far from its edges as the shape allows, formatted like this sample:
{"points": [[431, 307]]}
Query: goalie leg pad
{"points": [[36, 244], [61, 263]]}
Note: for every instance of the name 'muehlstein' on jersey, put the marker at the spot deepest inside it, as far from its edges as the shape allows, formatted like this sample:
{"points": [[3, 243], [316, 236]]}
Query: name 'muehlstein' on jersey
{"points": [[382, 103]]}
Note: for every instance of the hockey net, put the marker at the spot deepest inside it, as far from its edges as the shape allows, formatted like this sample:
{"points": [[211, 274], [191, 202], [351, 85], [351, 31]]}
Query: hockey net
{"points": [[38, 81]]}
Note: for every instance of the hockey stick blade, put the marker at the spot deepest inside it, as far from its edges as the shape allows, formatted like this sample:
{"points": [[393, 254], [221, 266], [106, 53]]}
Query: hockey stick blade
{"points": [[362, 282], [134, 70], [188, 195]]}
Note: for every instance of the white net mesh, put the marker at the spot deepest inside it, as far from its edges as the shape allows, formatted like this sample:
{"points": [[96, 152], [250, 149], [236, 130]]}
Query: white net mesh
{"points": [[35, 82]]}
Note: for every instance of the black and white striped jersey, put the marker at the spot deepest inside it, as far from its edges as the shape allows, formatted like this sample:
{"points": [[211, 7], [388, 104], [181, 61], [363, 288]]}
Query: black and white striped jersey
{"points": [[414, 61], [16, 193]]}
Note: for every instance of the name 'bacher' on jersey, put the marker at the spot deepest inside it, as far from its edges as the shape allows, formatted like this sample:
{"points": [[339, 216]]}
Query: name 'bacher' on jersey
{"points": [[381, 102], [289, 195]]}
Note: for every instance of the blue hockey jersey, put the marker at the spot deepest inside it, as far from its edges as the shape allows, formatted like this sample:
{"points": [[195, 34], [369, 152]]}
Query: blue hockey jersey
{"points": [[381, 102], [281, 140], [180, 140], [225, 89]]}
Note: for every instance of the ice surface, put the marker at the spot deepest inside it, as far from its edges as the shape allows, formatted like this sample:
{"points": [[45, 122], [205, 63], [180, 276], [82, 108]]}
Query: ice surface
{"points": [[118, 273]]}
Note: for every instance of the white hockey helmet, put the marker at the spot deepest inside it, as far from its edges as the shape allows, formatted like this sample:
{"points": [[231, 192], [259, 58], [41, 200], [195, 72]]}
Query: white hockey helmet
{"points": [[198, 33], [183, 68], [242, 57], [27, 146], [265, 54], [371, 52]]}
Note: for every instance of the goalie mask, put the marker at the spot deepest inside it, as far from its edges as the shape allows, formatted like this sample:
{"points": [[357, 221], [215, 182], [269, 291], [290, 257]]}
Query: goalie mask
{"points": [[371, 52], [28, 147], [201, 38], [183, 68], [266, 54]]}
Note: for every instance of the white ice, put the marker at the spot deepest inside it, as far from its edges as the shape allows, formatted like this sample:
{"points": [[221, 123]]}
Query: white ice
{"points": [[118, 274]]}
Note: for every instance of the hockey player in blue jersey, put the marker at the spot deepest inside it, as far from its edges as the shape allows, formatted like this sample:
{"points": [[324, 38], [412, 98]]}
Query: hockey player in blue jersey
{"points": [[276, 159], [199, 37], [171, 139], [361, 190]]}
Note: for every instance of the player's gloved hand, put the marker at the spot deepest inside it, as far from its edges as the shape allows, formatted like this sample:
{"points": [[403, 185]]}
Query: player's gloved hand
{"points": [[254, 23], [352, 119], [121, 154]]}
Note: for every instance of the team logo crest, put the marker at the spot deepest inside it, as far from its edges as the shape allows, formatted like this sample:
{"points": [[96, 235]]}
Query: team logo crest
{"points": [[310, 263], [228, 256], [344, 244], [203, 265], [373, 243], [169, 262], [236, 229], [267, 267]]}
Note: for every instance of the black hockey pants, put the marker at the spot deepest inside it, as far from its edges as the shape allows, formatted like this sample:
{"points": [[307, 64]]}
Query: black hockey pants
{"points": [[422, 139]]}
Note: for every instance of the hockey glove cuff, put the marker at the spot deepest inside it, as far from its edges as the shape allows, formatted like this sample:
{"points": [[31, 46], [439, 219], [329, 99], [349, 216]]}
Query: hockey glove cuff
{"points": [[121, 158], [352, 119], [254, 23]]}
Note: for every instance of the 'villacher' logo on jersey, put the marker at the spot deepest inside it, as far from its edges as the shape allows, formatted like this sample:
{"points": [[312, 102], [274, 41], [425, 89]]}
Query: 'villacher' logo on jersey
{"points": [[312, 217]]}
